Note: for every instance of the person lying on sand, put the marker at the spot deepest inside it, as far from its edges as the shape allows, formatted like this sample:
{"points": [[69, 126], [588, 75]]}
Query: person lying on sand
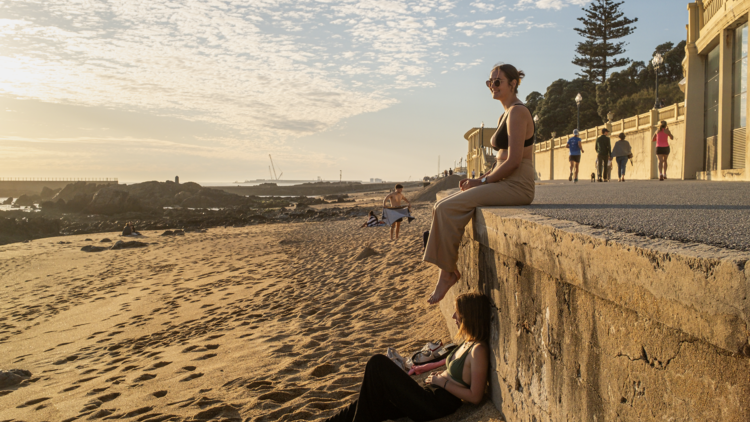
{"points": [[396, 197], [387, 392], [372, 221]]}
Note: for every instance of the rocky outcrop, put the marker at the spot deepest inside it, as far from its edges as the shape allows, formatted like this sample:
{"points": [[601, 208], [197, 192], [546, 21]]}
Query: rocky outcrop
{"points": [[28, 227], [126, 245], [8, 201], [47, 193], [73, 190], [112, 200], [26, 200]]}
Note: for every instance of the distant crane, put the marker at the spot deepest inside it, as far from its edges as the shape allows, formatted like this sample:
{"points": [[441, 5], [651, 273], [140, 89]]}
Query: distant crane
{"points": [[274, 169]]}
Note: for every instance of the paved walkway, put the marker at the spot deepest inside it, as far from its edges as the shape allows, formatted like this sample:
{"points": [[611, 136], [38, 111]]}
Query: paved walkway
{"points": [[714, 213]]}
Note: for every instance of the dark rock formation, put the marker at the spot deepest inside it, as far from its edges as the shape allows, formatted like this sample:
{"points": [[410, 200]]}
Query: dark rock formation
{"points": [[124, 245], [13, 377], [26, 200], [78, 188], [112, 200], [106, 240], [92, 248], [47, 193], [8, 201]]}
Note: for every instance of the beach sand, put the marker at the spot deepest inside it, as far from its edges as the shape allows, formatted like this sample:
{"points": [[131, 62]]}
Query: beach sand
{"points": [[261, 323]]}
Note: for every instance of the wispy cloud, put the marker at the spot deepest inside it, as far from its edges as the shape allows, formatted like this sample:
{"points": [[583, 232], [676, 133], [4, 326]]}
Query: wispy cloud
{"points": [[268, 69], [550, 4]]}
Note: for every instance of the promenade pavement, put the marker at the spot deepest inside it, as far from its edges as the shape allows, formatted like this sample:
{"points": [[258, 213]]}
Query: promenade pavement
{"points": [[713, 213]]}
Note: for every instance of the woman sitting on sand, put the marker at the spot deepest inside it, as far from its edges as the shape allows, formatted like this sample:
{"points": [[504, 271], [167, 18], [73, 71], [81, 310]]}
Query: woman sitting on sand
{"points": [[387, 392], [509, 182]]}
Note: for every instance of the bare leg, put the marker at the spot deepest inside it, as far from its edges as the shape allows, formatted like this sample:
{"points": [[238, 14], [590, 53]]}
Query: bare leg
{"points": [[398, 228], [392, 229], [445, 282], [664, 157], [575, 169]]}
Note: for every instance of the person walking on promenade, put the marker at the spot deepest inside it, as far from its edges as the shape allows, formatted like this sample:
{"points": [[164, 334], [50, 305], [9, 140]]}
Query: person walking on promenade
{"points": [[450, 172], [389, 393], [662, 137], [621, 152], [575, 147], [604, 153], [509, 182], [472, 174]]}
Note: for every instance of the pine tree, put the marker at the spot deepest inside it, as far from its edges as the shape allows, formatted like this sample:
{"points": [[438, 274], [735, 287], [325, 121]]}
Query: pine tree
{"points": [[603, 23]]}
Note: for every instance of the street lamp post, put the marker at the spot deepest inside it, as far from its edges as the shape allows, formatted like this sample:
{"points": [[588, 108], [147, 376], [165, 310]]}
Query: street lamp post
{"points": [[657, 61], [536, 123], [578, 115]]}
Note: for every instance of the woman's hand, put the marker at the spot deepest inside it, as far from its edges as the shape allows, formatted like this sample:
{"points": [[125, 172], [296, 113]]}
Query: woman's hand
{"points": [[436, 379], [462, 182], [470, 183]]}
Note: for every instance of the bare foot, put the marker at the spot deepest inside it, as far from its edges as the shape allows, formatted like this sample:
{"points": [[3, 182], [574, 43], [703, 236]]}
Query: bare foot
{"points": [[445, 282]]}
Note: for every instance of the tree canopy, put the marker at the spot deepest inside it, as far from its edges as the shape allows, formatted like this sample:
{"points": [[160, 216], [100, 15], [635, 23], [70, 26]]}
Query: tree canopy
{"points": [[602, 24]]}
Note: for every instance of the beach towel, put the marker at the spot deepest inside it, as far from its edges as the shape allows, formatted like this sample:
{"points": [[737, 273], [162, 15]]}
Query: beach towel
{"points": [[373, 222], [392, 215]]}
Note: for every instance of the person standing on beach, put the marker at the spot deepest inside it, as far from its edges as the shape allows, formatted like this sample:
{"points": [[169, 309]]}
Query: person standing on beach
{"points": [[509, 182], [621, 152], [576, 149], [395, 198], [604, 153], [662, 137]]}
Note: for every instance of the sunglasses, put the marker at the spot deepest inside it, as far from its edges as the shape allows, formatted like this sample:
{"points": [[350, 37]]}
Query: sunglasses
{"points": [[493, 82]]}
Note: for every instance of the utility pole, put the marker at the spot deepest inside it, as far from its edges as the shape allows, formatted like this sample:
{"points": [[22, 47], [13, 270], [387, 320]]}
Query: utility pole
{"points": [[341, 175]]}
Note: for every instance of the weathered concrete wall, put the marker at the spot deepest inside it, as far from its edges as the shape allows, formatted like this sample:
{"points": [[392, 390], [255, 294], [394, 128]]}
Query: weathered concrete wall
{"points": [[595, 325]]}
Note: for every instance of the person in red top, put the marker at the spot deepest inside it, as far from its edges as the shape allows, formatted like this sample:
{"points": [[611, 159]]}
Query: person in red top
{"points": [[662, 137]]}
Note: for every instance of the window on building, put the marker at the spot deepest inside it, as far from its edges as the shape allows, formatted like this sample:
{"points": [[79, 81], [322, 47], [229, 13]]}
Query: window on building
{"points": [[739, 88], [712, 93]]}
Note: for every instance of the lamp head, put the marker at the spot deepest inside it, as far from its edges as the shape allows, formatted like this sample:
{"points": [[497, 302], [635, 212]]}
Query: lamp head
{"points": [[579, 99], [536, 119], [658, 60], [554, 134], [610, 116]]}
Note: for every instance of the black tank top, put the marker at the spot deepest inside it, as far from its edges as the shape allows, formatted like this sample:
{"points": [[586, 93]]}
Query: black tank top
{"points": [[500, 137]]}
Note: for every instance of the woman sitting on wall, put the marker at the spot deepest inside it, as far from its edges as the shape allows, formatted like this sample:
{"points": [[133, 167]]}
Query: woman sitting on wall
{"points": [[509, 182], [387, 392]]}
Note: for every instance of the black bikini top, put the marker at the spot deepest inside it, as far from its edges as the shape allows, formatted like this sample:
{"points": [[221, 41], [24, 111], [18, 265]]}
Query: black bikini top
{"points": [[500, 137]]}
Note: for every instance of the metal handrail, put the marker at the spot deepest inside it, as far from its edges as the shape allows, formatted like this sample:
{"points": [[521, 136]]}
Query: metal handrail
{"points": [[55, 179]]}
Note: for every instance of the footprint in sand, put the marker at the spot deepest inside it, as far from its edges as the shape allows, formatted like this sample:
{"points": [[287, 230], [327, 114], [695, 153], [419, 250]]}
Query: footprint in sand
{"points": [[191, 377]]}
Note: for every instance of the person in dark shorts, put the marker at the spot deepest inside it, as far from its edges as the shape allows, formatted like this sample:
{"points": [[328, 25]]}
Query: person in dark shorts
{"points": [[603, 152], [662, 137], [574, 145]]}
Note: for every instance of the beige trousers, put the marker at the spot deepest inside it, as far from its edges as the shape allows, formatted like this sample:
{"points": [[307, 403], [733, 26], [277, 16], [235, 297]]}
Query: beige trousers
{"points": [[452, 213]]}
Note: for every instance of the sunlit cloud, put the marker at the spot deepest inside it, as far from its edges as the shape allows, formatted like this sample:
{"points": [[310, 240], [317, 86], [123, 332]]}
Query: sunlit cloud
{"points": [[267, 71], [550, 4]]}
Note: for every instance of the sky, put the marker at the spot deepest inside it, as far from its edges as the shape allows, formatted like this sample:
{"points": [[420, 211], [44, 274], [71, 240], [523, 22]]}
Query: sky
{"points": [[207, 89]]}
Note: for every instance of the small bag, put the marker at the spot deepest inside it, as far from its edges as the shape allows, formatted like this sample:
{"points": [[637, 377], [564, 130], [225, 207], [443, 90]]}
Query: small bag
{"points": [[630, 156]]}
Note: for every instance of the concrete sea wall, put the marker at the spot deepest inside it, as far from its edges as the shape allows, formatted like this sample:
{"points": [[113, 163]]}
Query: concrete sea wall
{"points": [[596, 325]]}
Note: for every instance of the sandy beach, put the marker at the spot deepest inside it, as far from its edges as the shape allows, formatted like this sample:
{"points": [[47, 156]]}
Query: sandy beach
{"points": [[261, 323]]}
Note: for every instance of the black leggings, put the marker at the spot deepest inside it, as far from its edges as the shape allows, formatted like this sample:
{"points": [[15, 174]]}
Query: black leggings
{"points": [[390, 393]]}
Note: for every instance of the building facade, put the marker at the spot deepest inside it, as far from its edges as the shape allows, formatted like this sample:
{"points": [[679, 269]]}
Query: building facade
{"points": [[716, 101]]}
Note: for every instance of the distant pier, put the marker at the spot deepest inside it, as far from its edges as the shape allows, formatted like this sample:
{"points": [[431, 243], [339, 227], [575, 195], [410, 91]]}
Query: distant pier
{"points": [[17, 186]]}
